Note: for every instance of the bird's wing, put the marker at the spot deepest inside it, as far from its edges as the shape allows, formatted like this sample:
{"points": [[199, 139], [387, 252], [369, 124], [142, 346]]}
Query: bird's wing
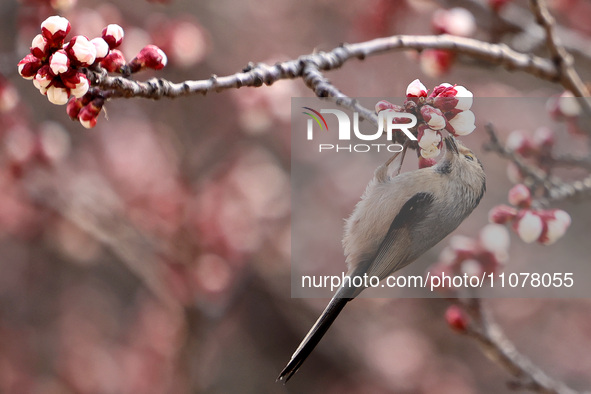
{"points": [[389, 256]]}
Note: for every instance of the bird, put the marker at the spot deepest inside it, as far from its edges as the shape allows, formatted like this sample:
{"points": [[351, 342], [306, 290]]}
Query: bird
{"points": [[398, 218]]}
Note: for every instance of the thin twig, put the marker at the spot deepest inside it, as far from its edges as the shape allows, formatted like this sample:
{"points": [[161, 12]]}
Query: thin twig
{"points": [[93, 207], [555, 189], [489, 335], [564, 60], [515, 19], [576, 191], [538, 176], [570, 161], [323, 88], [259, 74]]}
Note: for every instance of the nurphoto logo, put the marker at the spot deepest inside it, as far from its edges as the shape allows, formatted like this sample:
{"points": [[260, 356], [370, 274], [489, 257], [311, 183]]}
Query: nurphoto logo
{"points": [[388, 120]]}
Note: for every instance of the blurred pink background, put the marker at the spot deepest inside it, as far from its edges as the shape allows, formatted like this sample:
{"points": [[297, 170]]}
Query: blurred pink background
{"points": [[152, 253]]}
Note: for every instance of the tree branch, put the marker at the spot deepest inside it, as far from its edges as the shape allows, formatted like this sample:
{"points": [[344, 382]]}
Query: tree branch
{"points": [[259, 74], [517, 20], [564, 60], [537, 176], [571, 161], [322, 87], [500, 349], [555, 189]]}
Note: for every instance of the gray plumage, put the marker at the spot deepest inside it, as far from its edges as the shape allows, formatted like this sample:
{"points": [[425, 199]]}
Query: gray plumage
{"points": [[398, 219]]}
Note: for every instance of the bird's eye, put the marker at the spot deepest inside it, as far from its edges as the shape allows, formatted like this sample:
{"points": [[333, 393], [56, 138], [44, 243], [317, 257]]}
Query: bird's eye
{"points": [[469, 157]]}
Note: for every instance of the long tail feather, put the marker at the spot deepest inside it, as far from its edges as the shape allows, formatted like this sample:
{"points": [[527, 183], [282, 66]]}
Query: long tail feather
{"points": [[314, 336]]}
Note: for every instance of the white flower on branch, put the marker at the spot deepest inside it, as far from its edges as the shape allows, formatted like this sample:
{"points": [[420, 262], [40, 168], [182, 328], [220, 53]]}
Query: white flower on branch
{"points": [[59, 62], [557, 223], [416, 89], [57, 95], [528, 226], [463, 123]]}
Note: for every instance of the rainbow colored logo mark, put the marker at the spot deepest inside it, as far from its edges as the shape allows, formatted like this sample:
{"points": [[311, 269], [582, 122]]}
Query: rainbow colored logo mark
{"points": [[315, 117]]}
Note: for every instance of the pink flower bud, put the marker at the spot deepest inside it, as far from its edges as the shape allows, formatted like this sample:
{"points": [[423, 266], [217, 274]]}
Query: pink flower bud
{"points": [[43, 79], [81, 51], [471, 267], [456, 318], [497, 5], [81, 88], [382, 105], [76, 82], [464, 247], [528, 226], [55, 29], [436, 62], [149, 57], [519, 142], [495, 238], [543, 139], [113, 35], [416, 89], [57, 95], [462, 124], [444, 97], [433, 117], [28, 66], [73, 108], [441, 89], [424, 163], [114, 61], [465, 98], [455, 21], [86, 120], [557, 222], [520, 196], [101, 46], [39, 46], [428, 137], [76, 104], [448, 256], [565, 105], [448, 97], [88, 115], [430, 142], [502, 214], [59, 62], [430, 152]]}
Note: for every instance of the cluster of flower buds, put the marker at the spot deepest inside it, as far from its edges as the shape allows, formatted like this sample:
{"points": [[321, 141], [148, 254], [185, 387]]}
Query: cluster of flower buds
{"points": [[446, 108], [537, 148], [544, 226], [455, 21], [57, 67], [465, 255]]}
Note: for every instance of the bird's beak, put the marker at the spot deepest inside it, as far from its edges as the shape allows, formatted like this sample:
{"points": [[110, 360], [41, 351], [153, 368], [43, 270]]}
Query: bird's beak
{"points": [[451, 144]]}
